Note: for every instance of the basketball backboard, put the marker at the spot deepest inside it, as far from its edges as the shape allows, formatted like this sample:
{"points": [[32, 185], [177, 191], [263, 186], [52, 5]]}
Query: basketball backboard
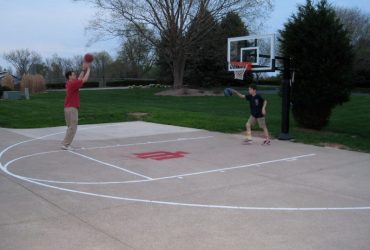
{"points": [[257, 49]]}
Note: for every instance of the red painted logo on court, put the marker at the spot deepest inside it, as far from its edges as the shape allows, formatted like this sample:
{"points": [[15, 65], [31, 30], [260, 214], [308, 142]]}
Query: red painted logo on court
{"points": [[161, 155]]}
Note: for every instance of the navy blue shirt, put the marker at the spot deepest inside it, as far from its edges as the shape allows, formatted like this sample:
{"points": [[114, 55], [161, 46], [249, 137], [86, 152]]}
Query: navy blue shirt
{"points": [[256, 104]]}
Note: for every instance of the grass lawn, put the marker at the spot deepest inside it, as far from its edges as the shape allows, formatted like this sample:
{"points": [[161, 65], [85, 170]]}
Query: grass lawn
{"points": [[349, 125]]}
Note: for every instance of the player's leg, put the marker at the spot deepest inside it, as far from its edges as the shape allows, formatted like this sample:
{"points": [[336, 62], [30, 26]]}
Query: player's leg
{"points": [[71, 116], [262, 124], [67, 119], [248, 126]]}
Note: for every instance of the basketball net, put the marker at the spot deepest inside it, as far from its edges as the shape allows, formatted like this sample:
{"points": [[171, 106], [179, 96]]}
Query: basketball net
{"points": [[239, 69]]}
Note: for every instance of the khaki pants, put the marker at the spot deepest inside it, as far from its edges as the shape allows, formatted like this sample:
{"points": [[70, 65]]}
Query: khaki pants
{"points": [[261, 122], [71, 116]]}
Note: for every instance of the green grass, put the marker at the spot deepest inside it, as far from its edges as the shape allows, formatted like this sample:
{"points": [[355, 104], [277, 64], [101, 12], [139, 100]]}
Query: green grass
{"points": [[361, 90], [349, 125]]}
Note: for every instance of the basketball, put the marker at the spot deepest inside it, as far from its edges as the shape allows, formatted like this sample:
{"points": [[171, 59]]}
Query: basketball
{"points": [[228, 92], [88, 58]]}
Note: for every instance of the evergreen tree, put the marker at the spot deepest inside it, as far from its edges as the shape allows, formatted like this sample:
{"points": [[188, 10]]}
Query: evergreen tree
{"points": [[207, 65], [204, 61], [323, 60], [232, 26]]}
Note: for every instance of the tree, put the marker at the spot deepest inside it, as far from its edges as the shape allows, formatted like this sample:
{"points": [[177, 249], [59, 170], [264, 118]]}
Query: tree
{"points": [[75, 62], [357, 24], [323, 59], [38, 68], [231, 25], [137, 53], [22, 60], [117, 69], [204, 60], [101, 62], [170, 21], [57, 66], [207, 64]]}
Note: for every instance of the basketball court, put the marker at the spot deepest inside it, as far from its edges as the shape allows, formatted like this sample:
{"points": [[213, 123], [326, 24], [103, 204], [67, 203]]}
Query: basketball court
{"points": [[140, 185]]}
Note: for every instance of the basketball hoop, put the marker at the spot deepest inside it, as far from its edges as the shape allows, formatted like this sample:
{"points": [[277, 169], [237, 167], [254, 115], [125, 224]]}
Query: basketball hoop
{"points": [[239, 68]]}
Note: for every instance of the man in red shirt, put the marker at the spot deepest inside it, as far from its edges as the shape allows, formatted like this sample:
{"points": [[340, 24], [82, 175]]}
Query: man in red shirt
{"points": [[72, 102]]}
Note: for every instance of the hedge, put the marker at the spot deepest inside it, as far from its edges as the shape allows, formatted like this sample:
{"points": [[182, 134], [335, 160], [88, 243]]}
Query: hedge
{"points": [[131, 82], [2, 89], [62, 85]]}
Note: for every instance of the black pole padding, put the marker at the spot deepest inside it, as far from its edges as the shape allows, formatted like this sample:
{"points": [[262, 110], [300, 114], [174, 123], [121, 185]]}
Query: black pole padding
{"points": [[285, 111]]}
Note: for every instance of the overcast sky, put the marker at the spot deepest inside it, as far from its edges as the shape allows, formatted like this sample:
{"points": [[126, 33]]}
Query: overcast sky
{"points": [[58, 26]]}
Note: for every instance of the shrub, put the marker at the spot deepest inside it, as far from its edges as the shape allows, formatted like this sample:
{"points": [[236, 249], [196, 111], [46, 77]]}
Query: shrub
{"points": [[130, 82], [323, 60], [35, 83], [2, 89], [7, 81], [60, 85], [90, 85]]}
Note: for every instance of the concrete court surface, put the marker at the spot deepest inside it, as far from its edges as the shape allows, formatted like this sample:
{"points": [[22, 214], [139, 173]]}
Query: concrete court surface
{"points": [[139, 185]]}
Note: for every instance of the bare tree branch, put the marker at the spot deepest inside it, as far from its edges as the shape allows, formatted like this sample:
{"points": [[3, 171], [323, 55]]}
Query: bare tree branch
{"points": [[170, 20], [22, 59]]}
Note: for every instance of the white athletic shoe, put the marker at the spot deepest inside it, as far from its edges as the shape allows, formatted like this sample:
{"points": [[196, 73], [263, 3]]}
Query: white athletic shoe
{"points": [[67, 147], [247, 142]]}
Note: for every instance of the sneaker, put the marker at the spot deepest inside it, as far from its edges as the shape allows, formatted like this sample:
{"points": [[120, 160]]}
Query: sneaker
{"points": [[247, 142], [66, 147], [266, 142]]}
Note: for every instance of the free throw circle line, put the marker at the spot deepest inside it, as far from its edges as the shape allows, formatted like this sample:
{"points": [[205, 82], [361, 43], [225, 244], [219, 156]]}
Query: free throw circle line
{"points": [[194, 205], [258, 164], [5, 170]]}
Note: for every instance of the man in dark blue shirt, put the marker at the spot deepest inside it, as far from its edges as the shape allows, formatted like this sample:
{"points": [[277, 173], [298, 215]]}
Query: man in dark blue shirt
{"points": [[258, 111]]}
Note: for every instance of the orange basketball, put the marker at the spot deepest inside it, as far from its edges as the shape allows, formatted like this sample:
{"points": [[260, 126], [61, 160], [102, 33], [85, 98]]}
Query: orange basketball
{"points": [[88, 58]]}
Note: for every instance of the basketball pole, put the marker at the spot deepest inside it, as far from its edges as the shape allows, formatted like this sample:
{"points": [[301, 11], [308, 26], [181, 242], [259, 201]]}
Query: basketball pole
{"points": [[285, 108]]}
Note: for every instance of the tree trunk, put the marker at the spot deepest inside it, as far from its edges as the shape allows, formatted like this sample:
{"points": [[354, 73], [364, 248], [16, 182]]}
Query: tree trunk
{"points": [[178, 72]]}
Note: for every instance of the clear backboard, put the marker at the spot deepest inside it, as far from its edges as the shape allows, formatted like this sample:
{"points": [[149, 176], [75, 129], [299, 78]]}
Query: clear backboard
{"points": [[257, 49]]}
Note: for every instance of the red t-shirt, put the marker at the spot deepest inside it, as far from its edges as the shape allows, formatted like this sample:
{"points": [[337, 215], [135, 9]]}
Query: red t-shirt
{"points": [[72, 99]]}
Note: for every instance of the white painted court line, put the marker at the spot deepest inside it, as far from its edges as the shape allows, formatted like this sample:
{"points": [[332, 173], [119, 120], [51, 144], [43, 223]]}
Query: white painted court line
{"points": [[236, 167], [111, 165], [193, 205], [258, 164], [121, 130], [4, 168], [38, 138], [104, 163]]}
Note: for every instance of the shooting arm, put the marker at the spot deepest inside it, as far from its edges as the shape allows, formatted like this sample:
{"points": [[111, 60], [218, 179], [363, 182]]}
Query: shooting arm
{"points": [[81, 75], [85, 66], [86, 76]]}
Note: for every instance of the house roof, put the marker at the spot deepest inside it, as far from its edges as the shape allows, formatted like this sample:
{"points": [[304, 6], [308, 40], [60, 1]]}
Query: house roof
{"points": [[4, 73]]}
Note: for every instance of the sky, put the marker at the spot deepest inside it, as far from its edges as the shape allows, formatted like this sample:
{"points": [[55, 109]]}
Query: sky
{"points": [[58, 26]]}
